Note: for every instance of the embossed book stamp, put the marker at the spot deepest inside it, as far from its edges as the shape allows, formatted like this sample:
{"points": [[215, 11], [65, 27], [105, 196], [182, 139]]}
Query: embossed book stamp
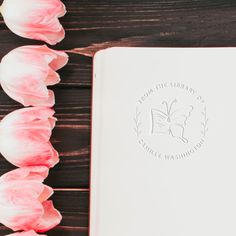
{"points": [[170, 121]]}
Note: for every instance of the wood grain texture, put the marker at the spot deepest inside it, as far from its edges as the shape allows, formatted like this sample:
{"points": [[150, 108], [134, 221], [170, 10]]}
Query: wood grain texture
{"points": [[177, 23], [94, 25], [91, 26]]}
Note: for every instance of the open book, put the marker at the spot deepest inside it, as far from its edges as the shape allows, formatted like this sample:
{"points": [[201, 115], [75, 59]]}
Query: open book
{"points": [[163, 142]]}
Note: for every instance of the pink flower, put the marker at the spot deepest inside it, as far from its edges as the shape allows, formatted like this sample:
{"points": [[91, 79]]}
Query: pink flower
{"points": [[24, 203], [35, 19], [24, 137], [26, 233], [26, 71]]}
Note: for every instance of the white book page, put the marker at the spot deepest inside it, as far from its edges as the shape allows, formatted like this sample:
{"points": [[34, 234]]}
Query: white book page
{"points": [[163, 142]]}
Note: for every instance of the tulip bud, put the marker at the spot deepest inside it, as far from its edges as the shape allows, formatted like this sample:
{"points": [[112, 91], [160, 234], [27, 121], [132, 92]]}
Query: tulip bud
{"points": [[24, 203], [26, 71], [35, 19], [24, 137]]}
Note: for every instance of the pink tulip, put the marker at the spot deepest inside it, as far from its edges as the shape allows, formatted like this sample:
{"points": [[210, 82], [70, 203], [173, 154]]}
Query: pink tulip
{"points": [[26, 71], [35, 19], [24, 137], [26, 233], [24, 203]]}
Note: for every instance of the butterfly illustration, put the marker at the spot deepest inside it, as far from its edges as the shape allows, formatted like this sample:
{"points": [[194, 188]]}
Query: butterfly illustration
{"points": [[171, 122]]}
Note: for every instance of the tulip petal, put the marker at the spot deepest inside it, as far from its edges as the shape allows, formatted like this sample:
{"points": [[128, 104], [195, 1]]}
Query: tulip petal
{"points": [[38, 173], [30, 99], [33, 154], [36, 19], [28, 115], [47, 101], [51, 37], [46, 193], [38, 55], [55, 59], [50, 219], [61, 59], [52, 78], [28, 80], [21, 210]]}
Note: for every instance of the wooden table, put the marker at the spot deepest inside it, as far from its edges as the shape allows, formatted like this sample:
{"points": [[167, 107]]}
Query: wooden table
{"points": [[93, 25]]}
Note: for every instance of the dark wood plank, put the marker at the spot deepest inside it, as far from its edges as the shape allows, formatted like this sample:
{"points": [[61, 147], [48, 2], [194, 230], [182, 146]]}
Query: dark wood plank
{"points": [[103, 24], [93, 25], [77, 73], [71, 137], [169, 23], [58, 231], [74, 207]]}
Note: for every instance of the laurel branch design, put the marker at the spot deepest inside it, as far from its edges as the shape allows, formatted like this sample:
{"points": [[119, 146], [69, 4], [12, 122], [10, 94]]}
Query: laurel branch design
{"points": [[137, 122], [204, 123]]}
